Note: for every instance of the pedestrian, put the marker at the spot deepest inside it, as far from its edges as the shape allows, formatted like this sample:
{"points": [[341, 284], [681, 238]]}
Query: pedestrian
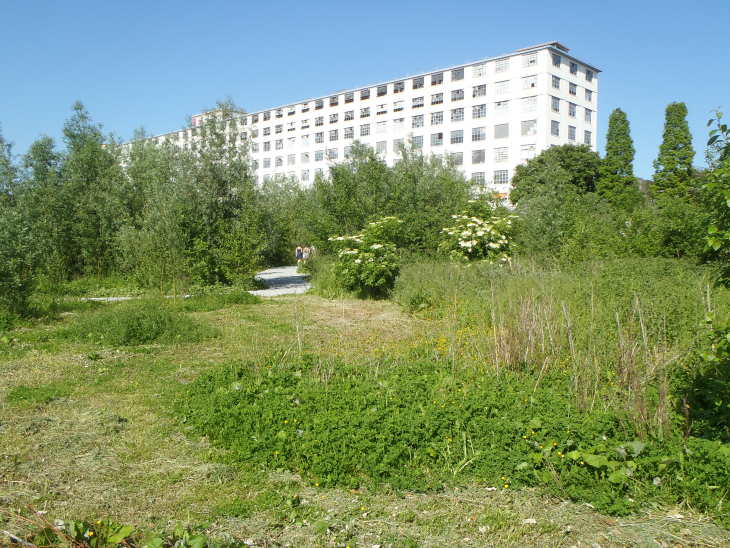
{"points": [[305, 254], [299, 254]]}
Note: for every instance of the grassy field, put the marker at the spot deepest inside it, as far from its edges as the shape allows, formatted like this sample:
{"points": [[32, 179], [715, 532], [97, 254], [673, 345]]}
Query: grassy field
{"points": [[88, 428]]}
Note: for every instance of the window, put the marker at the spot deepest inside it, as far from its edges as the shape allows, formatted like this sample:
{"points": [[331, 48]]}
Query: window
{"points": [[267, 116], [477, 177], [319, 137], [292, 111], [290, 142], [382, 109], [478, 156], [267, 146], [418, 83], [305, 175], [529, 104], [501, 108], [349, 133], [398, 106], [332, 154], [589, 75], [478, 134], [457, 115], [349, 115], [399, 87], [254, 147], [291, 159], [319, 121], [501, 87], [318, 171], [305, 140], [349, 97], [501, 131], [529, 127], [279, 144], [418, 102], [381, 127], [417, 121], [437, 118], [334, 101], [437, 99], [529, 60], [479, 91], [572, 89], [457, 74], [571, 133], [305, 107], [290, 126], [399, 124], [457, 158], [555, 104], [573, 68], [589, 116], [334, 118], [279, 113], [457, 136], [502, 65], [319, 104], [267, 131], [397, 145], [437, 78], [318, 155], [267, 163], [418, 142], [527, 152], [572, 110], [501, 177], [382, 90], [305, 124], [279, 128], [305, 157], [348, 152], [589, 96], [244, 121], [556, 60], [255, 164], [437, 139], [334, 134], [501, 154], [457, 95], [556, 82], [365, 112], [254, 133], [529, 82], [587, 137], [364, 130], [479, 111], [279, 161], [364, 94], [382, 146], [555, 128], [479, 70]]}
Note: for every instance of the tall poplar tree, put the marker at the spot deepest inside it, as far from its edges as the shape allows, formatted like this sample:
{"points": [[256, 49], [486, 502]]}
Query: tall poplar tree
{"points": [[673, 166], [616, 174]]}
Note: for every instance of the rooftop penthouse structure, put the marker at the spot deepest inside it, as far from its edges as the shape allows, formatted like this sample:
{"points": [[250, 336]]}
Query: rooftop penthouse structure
{"points": [[488, 116]]}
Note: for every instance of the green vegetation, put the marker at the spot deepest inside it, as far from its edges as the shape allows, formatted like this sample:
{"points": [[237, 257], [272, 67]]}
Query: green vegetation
{"points": [[673, 166]]}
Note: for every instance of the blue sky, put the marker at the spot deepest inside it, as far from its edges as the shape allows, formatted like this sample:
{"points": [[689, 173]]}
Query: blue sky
{"points": [[151, 64]]}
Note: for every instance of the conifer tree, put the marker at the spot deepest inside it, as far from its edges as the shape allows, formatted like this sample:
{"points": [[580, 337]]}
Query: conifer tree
{"points": [[673, 166], [616, 174]]}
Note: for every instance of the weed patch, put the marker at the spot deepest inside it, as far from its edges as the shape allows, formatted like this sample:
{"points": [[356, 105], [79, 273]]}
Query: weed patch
{"points": [[37, 394], [216, 300]]}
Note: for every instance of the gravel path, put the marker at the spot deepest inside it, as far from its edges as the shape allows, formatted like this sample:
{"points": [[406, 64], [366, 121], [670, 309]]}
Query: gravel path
{"points": [[283, 280]]}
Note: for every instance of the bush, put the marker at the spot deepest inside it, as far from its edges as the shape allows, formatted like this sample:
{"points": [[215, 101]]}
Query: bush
{"points": [[141, 322]]}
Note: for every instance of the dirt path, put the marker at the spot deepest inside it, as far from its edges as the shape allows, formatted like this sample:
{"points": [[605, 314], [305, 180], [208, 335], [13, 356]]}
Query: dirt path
{"points": [[282, 280]]}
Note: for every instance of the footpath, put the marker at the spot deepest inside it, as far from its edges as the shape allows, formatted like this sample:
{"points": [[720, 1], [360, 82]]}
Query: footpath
{"points": [[282, 280]]}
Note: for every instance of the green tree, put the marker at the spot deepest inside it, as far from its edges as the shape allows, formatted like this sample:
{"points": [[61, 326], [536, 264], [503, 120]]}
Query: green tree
{"points": [[673, 166], [8, 170], [616, 182], [573, 169]]}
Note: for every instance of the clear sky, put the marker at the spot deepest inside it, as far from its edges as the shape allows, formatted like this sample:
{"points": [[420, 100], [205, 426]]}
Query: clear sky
{"points": [[152, 63]]}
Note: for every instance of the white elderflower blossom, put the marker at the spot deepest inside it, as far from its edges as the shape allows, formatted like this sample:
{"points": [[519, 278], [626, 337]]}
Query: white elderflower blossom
{"points": [[376, 246]]}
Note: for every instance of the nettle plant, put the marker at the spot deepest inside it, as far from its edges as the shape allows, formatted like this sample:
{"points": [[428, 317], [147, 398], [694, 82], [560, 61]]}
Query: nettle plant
{"points": [[474, 239], [368, 262]]}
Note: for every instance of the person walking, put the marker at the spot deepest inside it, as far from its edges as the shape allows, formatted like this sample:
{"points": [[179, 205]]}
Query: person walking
{"points": [[305, 254], [298, 254]]}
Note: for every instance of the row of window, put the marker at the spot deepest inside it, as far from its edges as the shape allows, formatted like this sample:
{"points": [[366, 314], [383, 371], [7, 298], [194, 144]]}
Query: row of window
{"points": [[555, 132], [500, 176], [572, 110], [573, 67]]}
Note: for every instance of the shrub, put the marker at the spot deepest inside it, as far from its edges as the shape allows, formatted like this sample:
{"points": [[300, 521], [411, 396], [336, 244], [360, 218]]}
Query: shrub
{"points": [[474, 239]]}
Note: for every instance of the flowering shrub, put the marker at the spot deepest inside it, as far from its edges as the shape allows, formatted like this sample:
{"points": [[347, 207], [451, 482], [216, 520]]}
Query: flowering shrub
{"points": [[368, 262], [474, 239]]}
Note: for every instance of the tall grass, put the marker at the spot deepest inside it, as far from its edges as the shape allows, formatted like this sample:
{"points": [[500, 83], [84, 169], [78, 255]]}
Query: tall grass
{"points": [[631, 324]]}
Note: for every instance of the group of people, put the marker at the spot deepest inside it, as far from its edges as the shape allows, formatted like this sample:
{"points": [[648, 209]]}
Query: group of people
{"points": [[303, 254]]}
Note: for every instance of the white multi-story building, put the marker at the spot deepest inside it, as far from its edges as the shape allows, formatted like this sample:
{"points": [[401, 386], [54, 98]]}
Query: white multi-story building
{"points": [[490, 116]]}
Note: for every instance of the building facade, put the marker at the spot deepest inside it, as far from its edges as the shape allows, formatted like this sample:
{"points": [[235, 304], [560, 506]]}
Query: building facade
{"points": [[489, 116]]}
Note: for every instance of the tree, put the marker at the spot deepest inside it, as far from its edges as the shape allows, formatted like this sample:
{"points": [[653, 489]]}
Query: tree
{"points": [[673, 166], [574, 168], [616, 181], [8, 171]]}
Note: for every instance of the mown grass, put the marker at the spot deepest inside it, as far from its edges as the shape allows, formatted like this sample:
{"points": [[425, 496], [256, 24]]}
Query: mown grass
{"points": [[114, 444]]}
